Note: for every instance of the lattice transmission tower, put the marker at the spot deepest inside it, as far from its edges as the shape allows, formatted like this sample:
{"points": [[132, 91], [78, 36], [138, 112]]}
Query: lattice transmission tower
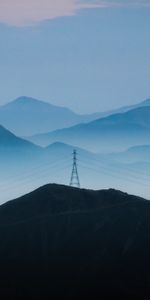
{"points": [[74, 181]]}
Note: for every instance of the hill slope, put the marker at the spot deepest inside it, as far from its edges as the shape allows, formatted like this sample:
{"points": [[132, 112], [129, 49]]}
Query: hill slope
{"points": [[26, 116], [64, 242], [114, 133], [11, 144], [133, 154], [123, 109]]}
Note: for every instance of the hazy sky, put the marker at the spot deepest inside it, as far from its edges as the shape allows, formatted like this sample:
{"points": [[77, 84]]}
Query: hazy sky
{"points": [[87, 55]]}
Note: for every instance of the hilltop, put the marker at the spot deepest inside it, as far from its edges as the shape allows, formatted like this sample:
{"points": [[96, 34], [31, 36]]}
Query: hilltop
{"points": [[64, 242]]}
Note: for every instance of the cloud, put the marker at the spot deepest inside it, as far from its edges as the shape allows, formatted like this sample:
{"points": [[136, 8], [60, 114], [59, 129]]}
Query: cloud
{"points": [[28, 12]]}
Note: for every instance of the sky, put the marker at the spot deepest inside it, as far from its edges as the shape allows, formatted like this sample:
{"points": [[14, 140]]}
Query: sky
{"points": [[87, 55]]}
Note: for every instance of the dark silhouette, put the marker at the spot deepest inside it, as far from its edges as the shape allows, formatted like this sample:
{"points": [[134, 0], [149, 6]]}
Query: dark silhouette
{"points": [[74, 181], [61, 242]]}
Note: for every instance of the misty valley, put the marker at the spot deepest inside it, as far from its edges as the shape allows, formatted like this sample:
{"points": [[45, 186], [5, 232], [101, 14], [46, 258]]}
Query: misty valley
{"points": [[112, 151]]}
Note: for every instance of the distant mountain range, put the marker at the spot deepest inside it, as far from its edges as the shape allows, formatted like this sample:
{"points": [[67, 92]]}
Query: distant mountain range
{"points": [[123, 109], [133, 154], [77, 244], [12, 146], [121, 159], [25, 166], [114, 133], [26, 116]]}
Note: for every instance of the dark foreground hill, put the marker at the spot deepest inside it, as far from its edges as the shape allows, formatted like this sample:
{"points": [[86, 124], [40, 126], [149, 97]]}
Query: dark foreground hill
{"points": [[59, 242]]}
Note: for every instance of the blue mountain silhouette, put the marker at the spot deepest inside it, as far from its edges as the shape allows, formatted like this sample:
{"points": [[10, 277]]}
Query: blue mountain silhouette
{"points": [[114, 133], [26, 116]]}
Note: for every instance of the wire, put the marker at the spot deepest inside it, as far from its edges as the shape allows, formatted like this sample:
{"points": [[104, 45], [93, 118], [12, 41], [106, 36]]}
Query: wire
{"points": [[111, 167], [113, 174]]}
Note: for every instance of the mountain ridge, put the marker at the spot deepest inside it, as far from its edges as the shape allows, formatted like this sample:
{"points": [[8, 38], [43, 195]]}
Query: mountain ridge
{"points": [[26, 116], [89, 243], [7, 138], [129, 127]]}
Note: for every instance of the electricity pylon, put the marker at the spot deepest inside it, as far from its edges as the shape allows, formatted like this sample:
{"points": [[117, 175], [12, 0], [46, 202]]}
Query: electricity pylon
{"points": [[74, 181]]}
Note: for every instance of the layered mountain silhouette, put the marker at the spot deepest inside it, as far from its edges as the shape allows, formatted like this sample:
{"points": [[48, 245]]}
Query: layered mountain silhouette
{"points": [[26, 116], [133, 154], [25, 166], [60, 242], [114, 133], [123, 109], [11, 145], [144, 103]]}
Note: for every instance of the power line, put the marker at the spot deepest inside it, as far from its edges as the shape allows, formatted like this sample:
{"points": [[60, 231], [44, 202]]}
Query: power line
{"points": [[110, 168], [41, 172]]}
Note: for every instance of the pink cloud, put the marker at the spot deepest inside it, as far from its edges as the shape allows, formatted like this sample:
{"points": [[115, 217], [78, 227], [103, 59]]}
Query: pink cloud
{"points": [[28, 12]]}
